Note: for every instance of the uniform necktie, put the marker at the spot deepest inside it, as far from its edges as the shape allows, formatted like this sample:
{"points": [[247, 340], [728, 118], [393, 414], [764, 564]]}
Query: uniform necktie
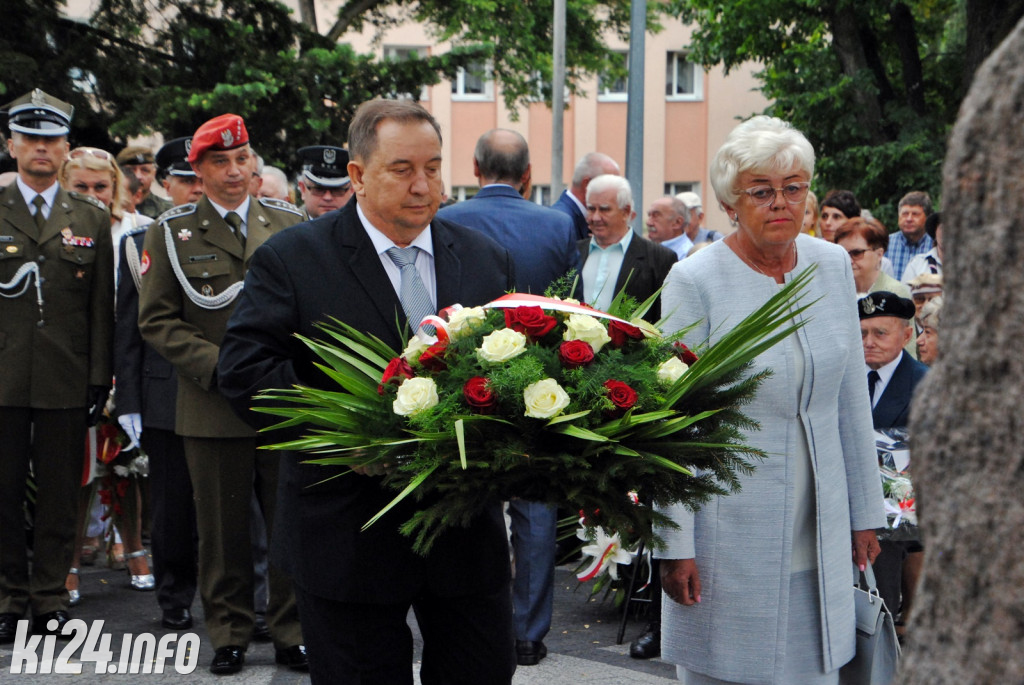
{"points": [[873, 379], [414, 296], [40, 218], [235, 222]]}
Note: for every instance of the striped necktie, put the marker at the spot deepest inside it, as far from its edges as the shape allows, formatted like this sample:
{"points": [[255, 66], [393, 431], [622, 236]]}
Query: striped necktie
{"points": [[413, 295]]}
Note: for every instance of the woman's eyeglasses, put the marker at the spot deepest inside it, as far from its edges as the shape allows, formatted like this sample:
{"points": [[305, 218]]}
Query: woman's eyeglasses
{"points": [[857, 254], [794, 193], [90, 152]]}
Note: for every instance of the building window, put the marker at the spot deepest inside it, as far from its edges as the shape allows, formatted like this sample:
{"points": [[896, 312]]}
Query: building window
{"points": [[684, 80], [401, 53], [474, 83], [613, 85], [682, 187], [463, 193], [541, 195]]}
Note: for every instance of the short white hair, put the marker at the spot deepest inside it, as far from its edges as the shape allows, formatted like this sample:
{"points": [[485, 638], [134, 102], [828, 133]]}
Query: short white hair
{"points": [[759, 144], [623, 192]]}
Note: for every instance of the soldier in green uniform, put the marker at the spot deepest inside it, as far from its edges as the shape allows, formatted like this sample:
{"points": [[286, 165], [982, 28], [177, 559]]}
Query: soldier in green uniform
{"points": [[192, 266], [56, 335], [138, 161]]}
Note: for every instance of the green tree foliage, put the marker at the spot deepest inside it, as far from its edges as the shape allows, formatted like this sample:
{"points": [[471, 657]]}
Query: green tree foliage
{"points": [[128, 72], [874, 84]]}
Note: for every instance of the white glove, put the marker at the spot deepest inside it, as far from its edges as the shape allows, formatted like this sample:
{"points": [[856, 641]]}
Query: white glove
{"points": [[132, 425]]}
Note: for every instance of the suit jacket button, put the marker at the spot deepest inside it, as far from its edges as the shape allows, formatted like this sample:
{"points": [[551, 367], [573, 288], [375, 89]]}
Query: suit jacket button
{"points": [[41, 259], [40, 324]]}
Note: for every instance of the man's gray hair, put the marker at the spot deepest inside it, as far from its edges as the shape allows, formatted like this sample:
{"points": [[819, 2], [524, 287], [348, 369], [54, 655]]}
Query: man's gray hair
{"points": [[623, 191], [590, 165], [504, 164], [760, 144], [917, 198]]}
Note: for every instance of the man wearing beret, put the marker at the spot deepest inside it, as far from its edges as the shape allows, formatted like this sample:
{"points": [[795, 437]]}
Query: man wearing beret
{"points": [[56, 333], [324, 184], [192, 265], [886, 324], [138, 160]]}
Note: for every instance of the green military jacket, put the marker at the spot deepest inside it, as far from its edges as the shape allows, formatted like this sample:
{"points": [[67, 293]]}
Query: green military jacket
{"points": [[49, 358], [153, 206], [188, 333]]}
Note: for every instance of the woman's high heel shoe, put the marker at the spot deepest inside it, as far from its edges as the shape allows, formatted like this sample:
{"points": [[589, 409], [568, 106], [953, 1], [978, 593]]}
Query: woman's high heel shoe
{"points": [[74, 595], [144, 582]]}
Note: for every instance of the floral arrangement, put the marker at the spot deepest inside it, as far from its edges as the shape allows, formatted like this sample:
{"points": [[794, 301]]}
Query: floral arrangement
{"points": [[118, 472], [894, 468], [539, 398], [603, 552]]}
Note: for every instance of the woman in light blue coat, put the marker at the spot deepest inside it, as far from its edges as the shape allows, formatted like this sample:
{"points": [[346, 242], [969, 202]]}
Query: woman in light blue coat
{"points": [[758, 584]]}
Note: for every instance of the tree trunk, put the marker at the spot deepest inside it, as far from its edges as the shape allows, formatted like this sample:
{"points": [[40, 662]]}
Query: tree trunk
{"points": [[988, 23], [968, 421], [307, 13], [846, 42]]}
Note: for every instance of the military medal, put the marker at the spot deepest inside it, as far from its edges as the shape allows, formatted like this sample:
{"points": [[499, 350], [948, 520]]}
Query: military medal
{"points": [[144, 263], [184, 234], [208, 290]]}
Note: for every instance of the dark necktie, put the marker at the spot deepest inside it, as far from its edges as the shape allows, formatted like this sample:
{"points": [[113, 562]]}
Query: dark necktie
{"points": [[873, 379], [413, 295], [235, 222], [40, 218]]}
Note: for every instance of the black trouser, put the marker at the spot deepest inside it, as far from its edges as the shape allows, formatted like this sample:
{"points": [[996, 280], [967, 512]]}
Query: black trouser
{"points": [[173, 515]]}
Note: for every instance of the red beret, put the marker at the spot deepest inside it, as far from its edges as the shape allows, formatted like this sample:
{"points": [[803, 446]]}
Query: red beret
{"points": [[225, 132]]}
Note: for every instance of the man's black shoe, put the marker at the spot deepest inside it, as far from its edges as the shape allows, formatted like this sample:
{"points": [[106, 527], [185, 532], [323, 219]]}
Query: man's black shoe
{"points": [[293, 657], [8, 627], [260, 631], [529, 653], [648, 645], [51, 624], [177, 619], [227, 660]]}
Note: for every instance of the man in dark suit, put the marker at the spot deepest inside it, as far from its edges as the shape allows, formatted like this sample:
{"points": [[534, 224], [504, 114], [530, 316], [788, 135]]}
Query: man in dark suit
{"points": [[614, 257], [541, 242], [886, 324], [192, 266], [355, 588], [147, 388], [573, 200], [56, 337]]}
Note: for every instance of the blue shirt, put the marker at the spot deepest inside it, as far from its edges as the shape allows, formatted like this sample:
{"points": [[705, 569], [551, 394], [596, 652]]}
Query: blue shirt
{"points": [[900, 251]]}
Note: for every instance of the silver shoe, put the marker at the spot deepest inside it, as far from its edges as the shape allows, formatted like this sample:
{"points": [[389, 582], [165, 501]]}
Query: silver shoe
{"points": [[145, 582], [74, 596]]}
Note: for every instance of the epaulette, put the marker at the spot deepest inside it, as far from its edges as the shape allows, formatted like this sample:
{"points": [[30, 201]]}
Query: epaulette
{"points": [[87, 198], [140, 229], [175, 212], [280, 204]]}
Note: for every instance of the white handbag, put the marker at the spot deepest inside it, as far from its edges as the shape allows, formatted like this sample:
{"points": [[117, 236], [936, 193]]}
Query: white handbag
{"points": [[878, 650]]}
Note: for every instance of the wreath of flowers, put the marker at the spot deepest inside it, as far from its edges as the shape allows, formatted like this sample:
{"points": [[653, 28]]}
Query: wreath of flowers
{"points": [[538, 398]]}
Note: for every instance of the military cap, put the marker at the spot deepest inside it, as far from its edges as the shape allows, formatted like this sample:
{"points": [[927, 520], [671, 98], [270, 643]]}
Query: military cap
{"points": [[135, 154], [325, 165], [884, 303], [691, 200], [39, 114], [173, 157], [225, 132], [926, 283]]}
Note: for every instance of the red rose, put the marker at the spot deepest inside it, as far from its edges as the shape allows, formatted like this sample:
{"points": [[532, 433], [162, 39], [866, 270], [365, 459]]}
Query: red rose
{"points": [[397, 369], [621, 395], [530, 321], [575, 353], [621, 332], [479, 395], [685, 354], [432, 358]]}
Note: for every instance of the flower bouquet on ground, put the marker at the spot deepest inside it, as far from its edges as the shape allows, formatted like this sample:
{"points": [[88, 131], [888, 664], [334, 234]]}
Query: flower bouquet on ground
{"points": [[607, 557], [893, 449], [538, 398], [117, 474]]}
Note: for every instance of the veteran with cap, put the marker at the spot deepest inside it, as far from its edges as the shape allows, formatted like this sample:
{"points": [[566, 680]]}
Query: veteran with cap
{"points": [[324, 183], [56, 333], [138, 160], [177, 175], [192, 266], [886, 324]]}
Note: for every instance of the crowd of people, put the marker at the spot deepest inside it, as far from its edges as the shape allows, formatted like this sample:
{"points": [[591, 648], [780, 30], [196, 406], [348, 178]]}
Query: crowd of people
{"points": [[124, 310]]}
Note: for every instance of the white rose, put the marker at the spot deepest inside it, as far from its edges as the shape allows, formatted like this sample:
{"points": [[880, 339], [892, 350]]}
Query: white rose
{"points": [[463, 321], [670, 371], [414, 349], [502, 345], [415, 395], [588, 329], [545, 399]]}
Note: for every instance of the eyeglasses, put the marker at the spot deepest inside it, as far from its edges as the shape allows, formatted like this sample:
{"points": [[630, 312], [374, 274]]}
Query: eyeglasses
{"points": [[320, 191], [765, 195], [857, 254], [91, 152]]}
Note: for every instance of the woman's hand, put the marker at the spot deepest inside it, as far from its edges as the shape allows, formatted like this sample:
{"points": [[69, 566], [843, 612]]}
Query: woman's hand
{"points": [[681, 580], [865, 548]]}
